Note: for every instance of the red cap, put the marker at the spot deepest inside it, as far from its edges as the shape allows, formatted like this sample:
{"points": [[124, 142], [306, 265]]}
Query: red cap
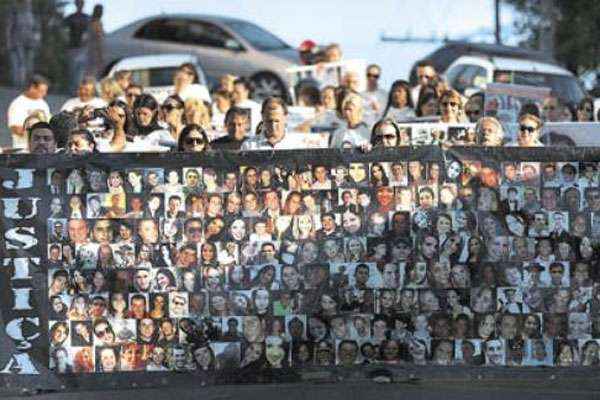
{"points": [[307, 45]]}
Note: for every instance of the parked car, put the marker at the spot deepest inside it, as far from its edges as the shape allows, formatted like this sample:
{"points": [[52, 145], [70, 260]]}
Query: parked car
{"points": [[469, 74], [445, 55], [223, 45], [155, 73], [532, 67]]}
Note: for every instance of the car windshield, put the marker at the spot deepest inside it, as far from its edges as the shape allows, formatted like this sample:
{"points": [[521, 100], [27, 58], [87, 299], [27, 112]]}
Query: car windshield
{"points": [[257, 37], [152, 77], [566, 87]]}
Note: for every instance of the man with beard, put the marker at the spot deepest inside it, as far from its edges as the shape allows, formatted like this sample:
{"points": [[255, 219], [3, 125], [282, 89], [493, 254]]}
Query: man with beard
{"points": [[42, 139]]}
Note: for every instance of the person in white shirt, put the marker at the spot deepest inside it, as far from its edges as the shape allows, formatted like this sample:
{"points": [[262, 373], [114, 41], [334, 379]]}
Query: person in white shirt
{"points": [[376, 97], [356, 133], [221, 104], [274, 133], [241, 99], [186, 84], [30, 100], [86, 96]]}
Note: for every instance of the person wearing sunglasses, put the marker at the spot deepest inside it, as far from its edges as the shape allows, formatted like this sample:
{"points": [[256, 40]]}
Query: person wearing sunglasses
{"points": [[375, 95], [474, 107], [193, 139], [131, 94], [173, 115], [426, 75], [530, 128], [385, 134], [400, 106], [451, 107]]}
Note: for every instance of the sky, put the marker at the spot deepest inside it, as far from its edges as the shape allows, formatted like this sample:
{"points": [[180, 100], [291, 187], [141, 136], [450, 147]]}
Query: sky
{"points": [[356, 24]]}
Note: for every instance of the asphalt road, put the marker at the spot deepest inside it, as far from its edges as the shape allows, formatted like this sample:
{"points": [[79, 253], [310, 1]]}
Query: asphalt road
{"points": [[426, 390]]}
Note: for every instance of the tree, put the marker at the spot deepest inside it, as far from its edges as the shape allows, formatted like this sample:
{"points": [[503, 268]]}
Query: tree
{"points": [[49, 60], [572, 27]]}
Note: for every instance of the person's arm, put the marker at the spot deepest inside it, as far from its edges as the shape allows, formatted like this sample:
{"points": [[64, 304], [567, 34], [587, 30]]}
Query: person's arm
{"points": [[17, 130], [16, 116], [118, 141]]}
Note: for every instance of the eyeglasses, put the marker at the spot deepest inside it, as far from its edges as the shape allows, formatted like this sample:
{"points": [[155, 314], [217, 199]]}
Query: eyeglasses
{"points": [[527, 128], [374, 76], [194, 141]]}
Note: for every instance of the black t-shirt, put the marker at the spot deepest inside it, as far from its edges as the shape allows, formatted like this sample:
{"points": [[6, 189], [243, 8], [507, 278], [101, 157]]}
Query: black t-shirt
{"points": [[227, 143], [77, 24]]}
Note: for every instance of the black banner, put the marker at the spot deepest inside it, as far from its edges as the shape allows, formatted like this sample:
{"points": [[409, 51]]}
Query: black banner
{"points": [[246, 267]]}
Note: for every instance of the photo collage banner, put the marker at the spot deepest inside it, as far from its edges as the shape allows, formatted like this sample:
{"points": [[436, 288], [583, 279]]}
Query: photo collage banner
{"points": [[483, 259]]}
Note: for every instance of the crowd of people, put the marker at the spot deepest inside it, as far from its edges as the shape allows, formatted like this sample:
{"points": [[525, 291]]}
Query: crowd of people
{"points": [[260, 267], [122, 118]]}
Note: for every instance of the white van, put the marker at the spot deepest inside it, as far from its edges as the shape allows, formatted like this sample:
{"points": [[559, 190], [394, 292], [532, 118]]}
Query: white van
{"points": [[469, 74], [155, 73]]}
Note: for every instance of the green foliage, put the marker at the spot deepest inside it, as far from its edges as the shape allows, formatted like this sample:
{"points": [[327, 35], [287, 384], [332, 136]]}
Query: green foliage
{"points": [[51, 60], [576, 29]]}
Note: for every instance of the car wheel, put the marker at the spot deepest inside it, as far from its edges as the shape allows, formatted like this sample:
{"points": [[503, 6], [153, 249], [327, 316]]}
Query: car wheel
{"points": [[265, 85]]}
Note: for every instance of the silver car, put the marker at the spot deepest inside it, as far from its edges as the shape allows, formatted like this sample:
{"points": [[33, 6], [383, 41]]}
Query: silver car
{"points": [[223, 46]]}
